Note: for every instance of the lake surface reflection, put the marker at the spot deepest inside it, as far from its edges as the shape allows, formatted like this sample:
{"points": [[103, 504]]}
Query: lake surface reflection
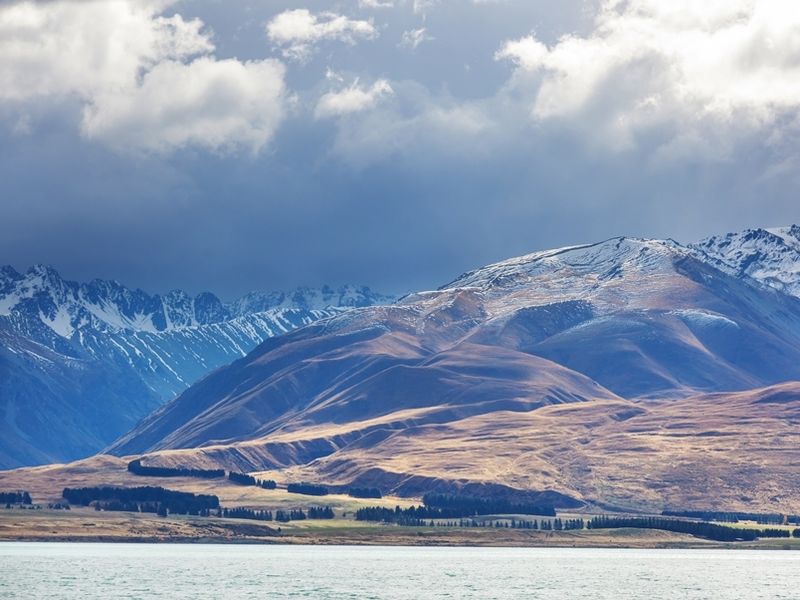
{"points": [[58, 570]]}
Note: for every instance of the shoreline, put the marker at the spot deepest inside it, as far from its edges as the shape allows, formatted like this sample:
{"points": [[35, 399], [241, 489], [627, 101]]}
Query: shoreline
{"points": [[700, 546], [389, 536]]}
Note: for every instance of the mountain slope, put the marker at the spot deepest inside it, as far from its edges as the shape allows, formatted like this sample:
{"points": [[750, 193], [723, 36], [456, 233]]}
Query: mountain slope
{"points": [[769, 256], [662, 321], [82, 363], [625, 318], [45, 411], [735, 451]]}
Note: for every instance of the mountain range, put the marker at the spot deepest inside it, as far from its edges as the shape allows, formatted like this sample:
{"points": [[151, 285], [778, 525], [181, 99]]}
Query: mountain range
{"points": [[628, 372], [81, 363], [631, 373]]}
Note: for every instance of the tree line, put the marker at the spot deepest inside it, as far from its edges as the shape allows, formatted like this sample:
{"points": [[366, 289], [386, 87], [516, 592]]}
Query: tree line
{"points": [[545, 525], [459, 505], [450, 506], [309, 489], [142, 499], [364, 493], [712, 531], [734, 517], [296, 514], [135, 506], [20, 497], [137, 468], [282, 516], [320, 512], [245, 479], [245, 513], [418, 516], [413, 515]]}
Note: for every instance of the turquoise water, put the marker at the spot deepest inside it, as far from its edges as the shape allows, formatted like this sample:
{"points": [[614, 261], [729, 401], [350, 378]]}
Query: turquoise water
{"points": [[31, 570]]}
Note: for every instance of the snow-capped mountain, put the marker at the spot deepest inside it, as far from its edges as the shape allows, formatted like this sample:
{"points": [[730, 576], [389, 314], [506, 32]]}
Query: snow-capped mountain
{"points": [[769, 256], [633, 319], [608, 273], [67, 307], [74, 347], [348, 296]]}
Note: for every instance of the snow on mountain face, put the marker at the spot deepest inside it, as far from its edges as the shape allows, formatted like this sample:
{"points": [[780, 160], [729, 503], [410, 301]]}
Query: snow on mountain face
{"points": [[308, 298], [66, 306], [644, 318], [601, 261], [768, 256], [168, 361], [639, 319], [609, 273], [101, 342], [170, 340]]}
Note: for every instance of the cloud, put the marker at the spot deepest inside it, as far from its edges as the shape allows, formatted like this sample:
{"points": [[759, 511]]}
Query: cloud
{"points": [[352, 99], [417, 127], [375, 3], [63, 48], [666, 87], [414, 37], [528, 52], [687, 71], [422, 6], [216, 104], [513, 155], [146, 81], [297, 32]]}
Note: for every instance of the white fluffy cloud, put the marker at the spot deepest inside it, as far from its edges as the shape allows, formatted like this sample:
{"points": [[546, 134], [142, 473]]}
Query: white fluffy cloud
{"points": [[147, 81], [59, 48], [297, 32], [414, 37], [216, 104], [353, 98], [375, 3], [692, 67]]}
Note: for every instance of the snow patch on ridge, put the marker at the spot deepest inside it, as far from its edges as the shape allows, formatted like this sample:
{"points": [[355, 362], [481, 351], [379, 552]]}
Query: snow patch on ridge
{"points": [[704, 318], [768, 257]]}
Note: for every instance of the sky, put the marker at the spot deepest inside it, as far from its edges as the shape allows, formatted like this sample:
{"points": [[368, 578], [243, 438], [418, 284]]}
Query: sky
{"points": [[232, 145]]}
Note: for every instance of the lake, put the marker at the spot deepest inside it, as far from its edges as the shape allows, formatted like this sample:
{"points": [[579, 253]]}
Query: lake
{"points": [[62, 570]]}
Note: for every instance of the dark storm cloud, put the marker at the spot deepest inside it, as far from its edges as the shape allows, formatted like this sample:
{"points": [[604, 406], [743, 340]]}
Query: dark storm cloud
{"points": [[448, 172]]}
